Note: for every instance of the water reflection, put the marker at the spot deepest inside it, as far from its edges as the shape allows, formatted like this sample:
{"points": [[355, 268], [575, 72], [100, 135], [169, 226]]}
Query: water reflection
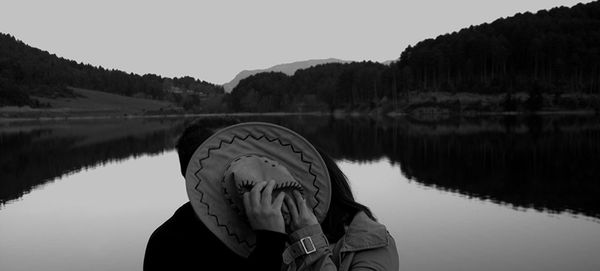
{"points": [[36, 153], [547, 163]]}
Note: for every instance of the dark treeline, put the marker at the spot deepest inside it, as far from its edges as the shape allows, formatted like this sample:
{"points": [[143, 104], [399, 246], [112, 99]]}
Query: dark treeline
{"points": [[26, 71], [324, 86], [556, 50], [547, 163], [552, 52], [32, 156]]}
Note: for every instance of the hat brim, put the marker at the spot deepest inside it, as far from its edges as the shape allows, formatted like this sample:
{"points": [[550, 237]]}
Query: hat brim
{"points": [[205, 176]]}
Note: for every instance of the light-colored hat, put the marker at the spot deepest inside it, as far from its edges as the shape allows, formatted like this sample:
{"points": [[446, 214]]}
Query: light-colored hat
{"points": [[234, 159]]}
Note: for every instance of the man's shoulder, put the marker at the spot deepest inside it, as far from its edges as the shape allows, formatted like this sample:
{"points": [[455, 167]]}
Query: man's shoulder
{"points": [[183, 241], [183, 217], [168, 245], [183, 223]]}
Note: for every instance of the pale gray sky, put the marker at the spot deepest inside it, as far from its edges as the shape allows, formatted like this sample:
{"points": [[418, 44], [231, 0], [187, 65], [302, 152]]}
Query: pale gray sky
{"points": [[214, 40]]}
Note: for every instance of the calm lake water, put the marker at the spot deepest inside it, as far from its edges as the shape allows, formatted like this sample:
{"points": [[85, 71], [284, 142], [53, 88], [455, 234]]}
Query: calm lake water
{"points": [[503, 193]]}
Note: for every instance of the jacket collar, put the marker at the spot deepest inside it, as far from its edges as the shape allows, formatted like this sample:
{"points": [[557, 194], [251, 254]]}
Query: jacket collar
{"points": [[364, 233]]}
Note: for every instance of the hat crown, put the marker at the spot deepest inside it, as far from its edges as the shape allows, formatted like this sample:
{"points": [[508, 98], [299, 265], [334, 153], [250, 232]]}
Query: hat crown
{"points": [[246, 171]]}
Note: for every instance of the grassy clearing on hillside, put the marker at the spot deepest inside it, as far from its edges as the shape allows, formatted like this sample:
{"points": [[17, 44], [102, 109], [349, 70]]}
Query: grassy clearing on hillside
{"points": [[102, 101], [91, 103]]}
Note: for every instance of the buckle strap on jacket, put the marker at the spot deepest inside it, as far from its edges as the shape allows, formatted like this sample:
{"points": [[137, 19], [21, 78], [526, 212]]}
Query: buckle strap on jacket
{"points": [[304, 246]]}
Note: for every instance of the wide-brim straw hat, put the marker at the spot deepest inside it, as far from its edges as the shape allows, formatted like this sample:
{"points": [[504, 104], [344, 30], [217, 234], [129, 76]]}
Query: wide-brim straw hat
{"points": [[207, 184]]}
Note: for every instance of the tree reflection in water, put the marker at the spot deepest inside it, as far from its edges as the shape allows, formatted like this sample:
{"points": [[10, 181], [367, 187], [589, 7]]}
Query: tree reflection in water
{"points": [[547, 163]]}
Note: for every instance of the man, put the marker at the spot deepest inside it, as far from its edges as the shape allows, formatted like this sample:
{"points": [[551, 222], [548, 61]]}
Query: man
{"points": [[183, 242]]}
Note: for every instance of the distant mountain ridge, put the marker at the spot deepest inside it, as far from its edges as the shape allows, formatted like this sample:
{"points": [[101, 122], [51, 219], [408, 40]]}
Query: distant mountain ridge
{"points": [[287, 68]]}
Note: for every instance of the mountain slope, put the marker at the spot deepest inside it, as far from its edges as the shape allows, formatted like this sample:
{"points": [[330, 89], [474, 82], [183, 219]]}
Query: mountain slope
{"points": [[287, 68], [26, 72]]}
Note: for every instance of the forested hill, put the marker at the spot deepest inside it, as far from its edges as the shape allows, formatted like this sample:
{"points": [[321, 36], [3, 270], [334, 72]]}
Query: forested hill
{"points": [[314, 89], [557, 49], [550, 59], [27, 72]]}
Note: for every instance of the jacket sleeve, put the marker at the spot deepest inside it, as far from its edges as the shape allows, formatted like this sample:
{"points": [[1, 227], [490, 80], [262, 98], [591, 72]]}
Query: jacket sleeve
{"points": [[382, 258], [319, 260]]}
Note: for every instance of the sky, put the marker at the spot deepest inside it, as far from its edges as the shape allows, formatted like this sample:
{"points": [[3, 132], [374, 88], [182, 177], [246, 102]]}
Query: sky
{"points": [[214, 40]]}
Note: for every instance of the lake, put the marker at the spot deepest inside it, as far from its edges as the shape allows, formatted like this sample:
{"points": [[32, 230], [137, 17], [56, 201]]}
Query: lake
{"points": [[495, 193]]}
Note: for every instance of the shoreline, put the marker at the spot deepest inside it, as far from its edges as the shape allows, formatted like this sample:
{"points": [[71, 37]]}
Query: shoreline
{"points": [[427, 116], [184, 115]]}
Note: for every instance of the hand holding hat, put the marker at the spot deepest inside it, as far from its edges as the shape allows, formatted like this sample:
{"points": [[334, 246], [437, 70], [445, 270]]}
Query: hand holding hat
{"points": [[264, 213], [302, 216]]}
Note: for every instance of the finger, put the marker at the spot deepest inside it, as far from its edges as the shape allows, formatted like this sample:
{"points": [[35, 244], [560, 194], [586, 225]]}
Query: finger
{"points": [[297, 194], [278, 201], [255, 194], [300, 202], [246, 198], [292, 208], [284, 207], [266, 193]]}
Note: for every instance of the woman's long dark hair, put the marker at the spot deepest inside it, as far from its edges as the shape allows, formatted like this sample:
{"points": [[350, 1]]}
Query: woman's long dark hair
{"points": [[342, 207]]}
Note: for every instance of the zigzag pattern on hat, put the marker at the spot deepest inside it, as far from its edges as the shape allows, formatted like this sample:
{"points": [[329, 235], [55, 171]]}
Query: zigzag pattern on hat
{"points": [[237, 237]]}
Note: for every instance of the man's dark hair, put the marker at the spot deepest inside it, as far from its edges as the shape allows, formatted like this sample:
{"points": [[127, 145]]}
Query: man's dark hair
{"points": [[193, 136]]}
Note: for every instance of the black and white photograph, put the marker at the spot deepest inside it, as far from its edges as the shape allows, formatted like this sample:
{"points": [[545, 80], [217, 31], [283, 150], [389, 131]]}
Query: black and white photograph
{"points": [[300, 135]]}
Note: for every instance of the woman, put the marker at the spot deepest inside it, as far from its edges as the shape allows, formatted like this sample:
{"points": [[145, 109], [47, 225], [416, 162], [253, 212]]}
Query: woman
{"points": [[354, 240]]}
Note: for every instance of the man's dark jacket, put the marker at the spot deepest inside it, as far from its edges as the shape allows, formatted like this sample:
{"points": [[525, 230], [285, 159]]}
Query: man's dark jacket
{"points": [[184, 243]]}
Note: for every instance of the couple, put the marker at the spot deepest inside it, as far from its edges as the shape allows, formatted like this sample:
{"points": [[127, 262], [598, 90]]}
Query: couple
{"points": [[263, 198]]}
